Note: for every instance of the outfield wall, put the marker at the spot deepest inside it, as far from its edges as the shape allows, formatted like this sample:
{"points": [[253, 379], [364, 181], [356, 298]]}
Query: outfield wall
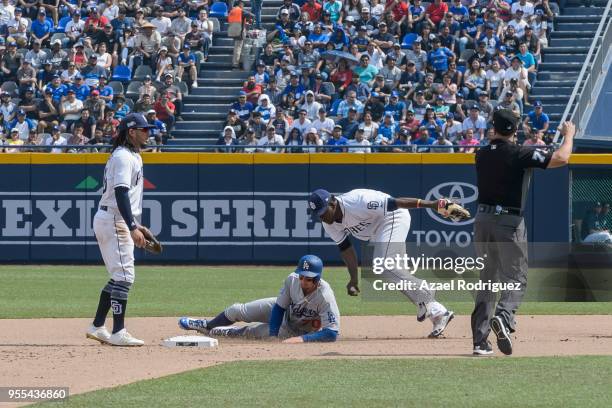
{"points": [[246, 208]]}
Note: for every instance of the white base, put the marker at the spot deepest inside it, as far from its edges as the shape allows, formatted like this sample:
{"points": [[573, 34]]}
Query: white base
{"points": [[191, 341]]}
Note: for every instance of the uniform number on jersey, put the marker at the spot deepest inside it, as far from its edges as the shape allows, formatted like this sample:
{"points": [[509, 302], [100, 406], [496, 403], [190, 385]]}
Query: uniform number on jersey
{"points": [[538, 155]]}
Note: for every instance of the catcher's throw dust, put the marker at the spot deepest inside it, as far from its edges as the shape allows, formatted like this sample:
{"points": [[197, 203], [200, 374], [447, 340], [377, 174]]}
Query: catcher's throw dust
{"points": [[116, 228], [384, 221]]}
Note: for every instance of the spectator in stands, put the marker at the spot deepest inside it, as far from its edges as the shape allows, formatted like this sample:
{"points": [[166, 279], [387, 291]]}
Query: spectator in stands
{"points": [[270, 142], [311, 106], [519, 73], [341, 77], [34, 139], [228, 139], [47, 112], [174, 93], [350, 102], [375, 106], [22, 124], [187, 63], [11, 62], [536, 121], [77, 139], [95, 105], [349, 124], [265, 108], [476, 122], [295, 139], [109, 125], [161, 22], [452, 130], [423, 141], [475, 80], [165, 110], [7, 107], [468, 141], [323, 125], [120, 107], [368, 128], [13, 141], [337, 141], [302, 123], [75, 28], [249, 139], [146, 44], [529, 63], [360, 140], [273, 91], [484, 106], [99, 139], [235, 123], [396, 107], [55, 139], [87, 122], [507, 102]]}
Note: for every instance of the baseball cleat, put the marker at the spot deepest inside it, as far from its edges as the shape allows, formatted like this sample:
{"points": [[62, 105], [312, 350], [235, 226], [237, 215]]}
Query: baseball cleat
{"points": [[187, 323], [422, 312], [504, 342], [440, 324], [124, 339], [483, 349], [226, 331], [98, 333]]}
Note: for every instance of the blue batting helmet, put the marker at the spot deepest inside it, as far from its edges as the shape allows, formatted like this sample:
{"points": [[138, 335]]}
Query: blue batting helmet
{"points": [[310, 266]]}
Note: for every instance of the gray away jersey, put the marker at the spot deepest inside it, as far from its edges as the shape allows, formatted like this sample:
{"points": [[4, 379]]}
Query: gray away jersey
{"points": [[310, 313]]}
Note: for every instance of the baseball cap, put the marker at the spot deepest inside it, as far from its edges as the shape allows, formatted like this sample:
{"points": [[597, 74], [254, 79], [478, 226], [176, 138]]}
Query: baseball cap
{"points": [[284, 11], [135, 121], [365, 9], [504, 122], [21, 112], [242, 93], [318, 201], [95, 92], [363, 28], [150, 111], [17, 130], [538, 104], [509, 93], [395, 94], [70, 91], [312, 130], [539, 12], [186, 46], [474, 106], [459, 94], [338, 127], [55, 128], [502, 48], [450, 115], [29, 89]]}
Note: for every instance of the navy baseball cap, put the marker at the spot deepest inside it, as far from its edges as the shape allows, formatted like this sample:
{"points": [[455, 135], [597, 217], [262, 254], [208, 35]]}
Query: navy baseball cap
{"points": [[135, 121], [317, 202], [537, 104]]}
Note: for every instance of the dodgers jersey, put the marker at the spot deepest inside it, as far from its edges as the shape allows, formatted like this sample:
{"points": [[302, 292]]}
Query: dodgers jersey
{"points": [[363, 212], [124, 168], [309, 313]]}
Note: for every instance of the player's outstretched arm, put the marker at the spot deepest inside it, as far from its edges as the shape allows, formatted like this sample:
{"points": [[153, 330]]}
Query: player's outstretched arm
{"points": [[349, 256], [445, 207]]}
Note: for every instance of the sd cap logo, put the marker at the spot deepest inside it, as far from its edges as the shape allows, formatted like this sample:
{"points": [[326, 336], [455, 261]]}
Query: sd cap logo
{"points": [[312, 205]]}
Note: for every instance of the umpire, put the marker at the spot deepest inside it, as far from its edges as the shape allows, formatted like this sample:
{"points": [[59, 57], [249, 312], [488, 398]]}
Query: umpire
{"points": [[503, 175]]}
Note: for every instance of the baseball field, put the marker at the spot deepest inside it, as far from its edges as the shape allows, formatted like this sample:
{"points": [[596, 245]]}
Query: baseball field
{"points": [[563, 351]]}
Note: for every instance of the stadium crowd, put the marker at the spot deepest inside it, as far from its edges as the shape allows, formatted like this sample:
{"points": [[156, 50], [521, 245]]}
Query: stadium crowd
{"points": [[68, 67], [381, 76]]}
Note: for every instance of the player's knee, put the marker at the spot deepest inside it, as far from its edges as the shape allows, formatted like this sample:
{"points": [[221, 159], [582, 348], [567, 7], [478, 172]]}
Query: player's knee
{"points": [[121, 290], [235, 312]]}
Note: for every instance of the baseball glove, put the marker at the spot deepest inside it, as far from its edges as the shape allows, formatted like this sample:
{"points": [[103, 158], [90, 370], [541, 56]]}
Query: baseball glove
{"points": [[452, 210], [152, 244]]}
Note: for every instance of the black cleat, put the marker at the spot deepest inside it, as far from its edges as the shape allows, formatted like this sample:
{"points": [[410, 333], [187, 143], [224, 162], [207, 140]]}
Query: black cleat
{"points": [[504, 342]]}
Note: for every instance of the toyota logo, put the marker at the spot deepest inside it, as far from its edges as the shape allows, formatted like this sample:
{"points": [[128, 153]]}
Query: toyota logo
{"points": [[463, 193]]}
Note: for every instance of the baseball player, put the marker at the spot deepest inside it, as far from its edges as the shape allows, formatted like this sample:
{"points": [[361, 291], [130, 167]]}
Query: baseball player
{"points": [[304, 311], [117, 230], [384, 221]]}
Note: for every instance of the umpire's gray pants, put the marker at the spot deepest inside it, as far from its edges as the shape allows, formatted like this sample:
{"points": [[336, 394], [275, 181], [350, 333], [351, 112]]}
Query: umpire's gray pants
{"points": [[258, 312], [502, 240]]}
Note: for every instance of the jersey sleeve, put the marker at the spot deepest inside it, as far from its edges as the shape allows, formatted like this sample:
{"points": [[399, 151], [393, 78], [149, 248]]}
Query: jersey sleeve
{"points": [[530, 158], [284, 297], [122, 170], [329, 313]]}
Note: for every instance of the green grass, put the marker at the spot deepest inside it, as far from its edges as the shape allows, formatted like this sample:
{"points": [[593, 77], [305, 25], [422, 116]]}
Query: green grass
{"points": [[72, 291], [485, 382]]}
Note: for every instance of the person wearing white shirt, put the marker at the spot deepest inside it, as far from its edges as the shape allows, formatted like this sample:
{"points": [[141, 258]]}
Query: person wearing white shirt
{"points": [[359, 140], [524, 5], [7, 12], [323, 124], [56, 139], [518, 23], [452, 129], [302, 123], [111, 10], [268, 143], [161, 23], [75, 27], [311, 106], [476, 122]]}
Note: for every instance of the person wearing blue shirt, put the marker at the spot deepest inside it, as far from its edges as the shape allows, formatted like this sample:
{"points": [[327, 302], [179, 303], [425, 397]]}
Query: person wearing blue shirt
{"points": [[57, 88], [536, 121], [294, 86], [438, 57], [187, 62], [242, 108], [459, 10], [81, 91], [337, 140], [396, 107], [529, 62], [470, 30], [318, 38], [388, 127], [106, 92], [423, 141], [492, 40], [41, 27]]}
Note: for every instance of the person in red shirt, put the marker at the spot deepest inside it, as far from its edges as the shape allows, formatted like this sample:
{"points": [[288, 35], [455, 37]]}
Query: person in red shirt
{"points": [[342, 76], [435, 12], [399, 9], [313, 9], [95, 22], [165, 110], [253, 90]]}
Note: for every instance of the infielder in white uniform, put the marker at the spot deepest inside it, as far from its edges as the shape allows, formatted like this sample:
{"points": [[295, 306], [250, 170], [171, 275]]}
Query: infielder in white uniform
{"points": [[384, 221], [304, 311], [117, 230]]}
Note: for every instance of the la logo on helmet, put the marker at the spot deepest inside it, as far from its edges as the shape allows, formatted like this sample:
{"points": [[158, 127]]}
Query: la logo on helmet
{"points": [[306, 265]]}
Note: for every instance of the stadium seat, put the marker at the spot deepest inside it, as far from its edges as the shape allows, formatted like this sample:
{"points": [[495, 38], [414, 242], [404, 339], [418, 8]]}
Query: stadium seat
{"points": [[117, 87], [122, 73], [133, 89], [408, 40], [218, 10], [10, 87], [142, 71], [61, 24], [58, 36], [216, 24]]}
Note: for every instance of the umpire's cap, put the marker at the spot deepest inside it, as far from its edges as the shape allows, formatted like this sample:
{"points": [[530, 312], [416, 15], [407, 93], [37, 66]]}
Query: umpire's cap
{"points": [[505, 122], [310, 266], [317, 202]]}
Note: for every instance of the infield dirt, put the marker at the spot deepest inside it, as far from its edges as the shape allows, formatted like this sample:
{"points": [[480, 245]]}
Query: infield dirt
{"points": [[55, 352]]}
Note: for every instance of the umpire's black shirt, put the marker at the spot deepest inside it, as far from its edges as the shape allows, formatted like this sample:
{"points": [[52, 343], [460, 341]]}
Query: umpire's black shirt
{"points": [[501, 172]]}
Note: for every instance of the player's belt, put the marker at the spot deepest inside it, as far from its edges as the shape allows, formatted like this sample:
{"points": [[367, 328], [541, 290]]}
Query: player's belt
{"points": [[499, 210]]}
